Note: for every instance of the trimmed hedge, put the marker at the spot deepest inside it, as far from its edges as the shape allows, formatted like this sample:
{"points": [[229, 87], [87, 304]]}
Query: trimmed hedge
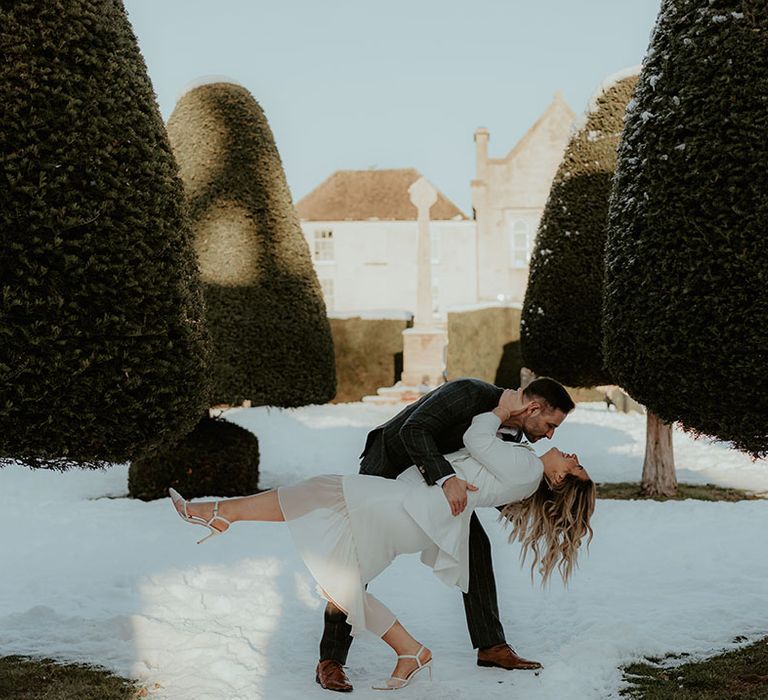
{"points": [[217, 458], [484, 343], [271, 338], [369, 355], [102, 349], [686, 307], [562, 313]]}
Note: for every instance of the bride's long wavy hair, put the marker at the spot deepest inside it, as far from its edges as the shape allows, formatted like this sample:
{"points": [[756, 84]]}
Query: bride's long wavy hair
{"points": [[551, 524]]}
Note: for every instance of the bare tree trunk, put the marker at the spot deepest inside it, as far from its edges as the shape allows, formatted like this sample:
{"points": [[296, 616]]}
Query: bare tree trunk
{"points": [[659, 466]]}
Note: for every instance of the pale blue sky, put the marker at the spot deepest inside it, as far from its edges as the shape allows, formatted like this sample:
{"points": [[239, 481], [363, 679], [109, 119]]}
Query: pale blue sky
{"points": [[350, 84]]}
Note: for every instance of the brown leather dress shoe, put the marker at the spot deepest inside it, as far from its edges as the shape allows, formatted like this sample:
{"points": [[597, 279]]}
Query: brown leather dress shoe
{"points": [[330, 674], [504, 656]]}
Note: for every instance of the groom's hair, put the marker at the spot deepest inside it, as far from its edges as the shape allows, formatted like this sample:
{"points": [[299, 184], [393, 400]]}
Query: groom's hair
{"points": [[550, 392]]}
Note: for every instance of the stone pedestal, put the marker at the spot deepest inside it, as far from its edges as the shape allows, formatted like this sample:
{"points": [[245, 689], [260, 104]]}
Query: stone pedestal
{"points": [[423, 366], [397, 394], [424, 356]]}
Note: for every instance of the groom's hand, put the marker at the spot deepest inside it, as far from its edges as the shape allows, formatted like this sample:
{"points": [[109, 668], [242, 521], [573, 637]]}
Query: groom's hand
{"points": [[455, 491]]}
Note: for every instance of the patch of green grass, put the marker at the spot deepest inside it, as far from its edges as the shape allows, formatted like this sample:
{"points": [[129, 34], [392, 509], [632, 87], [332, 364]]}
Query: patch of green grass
{"points": [[702, 492], [741, 674], [22, 678]]}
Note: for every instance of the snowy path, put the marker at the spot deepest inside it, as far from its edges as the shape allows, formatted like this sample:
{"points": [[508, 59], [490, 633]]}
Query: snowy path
{"points": [[88, 575]]}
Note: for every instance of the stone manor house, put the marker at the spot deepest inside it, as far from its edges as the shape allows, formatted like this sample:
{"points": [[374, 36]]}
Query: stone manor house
{"points": [[362, 231]]}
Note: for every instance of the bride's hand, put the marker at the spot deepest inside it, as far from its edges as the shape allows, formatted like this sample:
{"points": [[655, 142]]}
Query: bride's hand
{"points": [[510, 404], [455, 491]]}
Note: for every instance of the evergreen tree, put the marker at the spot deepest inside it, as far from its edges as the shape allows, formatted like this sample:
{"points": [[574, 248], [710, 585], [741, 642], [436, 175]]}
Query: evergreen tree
{"points": [[561, 329], [217, 458], [686, 277], [271, 337], [102, 349]]}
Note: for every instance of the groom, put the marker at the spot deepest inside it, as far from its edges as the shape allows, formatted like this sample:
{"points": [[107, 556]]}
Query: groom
{"points": [[421, 434]]}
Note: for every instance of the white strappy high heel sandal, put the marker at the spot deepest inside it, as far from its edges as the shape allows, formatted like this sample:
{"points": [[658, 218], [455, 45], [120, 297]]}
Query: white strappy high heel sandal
{"points": [[177, 498], [396, 683]]}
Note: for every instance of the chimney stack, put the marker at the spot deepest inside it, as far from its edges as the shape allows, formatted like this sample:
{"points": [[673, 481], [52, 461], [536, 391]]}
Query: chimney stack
{"points": [[481, 152]]}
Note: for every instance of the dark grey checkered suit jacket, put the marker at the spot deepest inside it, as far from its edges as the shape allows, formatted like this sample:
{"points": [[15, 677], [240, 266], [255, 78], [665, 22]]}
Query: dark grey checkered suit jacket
{"points": [[428, 429]]}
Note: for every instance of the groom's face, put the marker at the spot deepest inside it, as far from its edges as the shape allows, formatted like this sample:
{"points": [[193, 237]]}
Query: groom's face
{"points": [[540, 422]]}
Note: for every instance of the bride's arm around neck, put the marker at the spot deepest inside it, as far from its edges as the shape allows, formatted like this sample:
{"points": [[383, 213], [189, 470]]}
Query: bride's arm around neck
{"points": [[508, 461]]}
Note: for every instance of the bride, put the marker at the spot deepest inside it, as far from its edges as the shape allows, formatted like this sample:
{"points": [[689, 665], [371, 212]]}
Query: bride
{"points": [[349, 528]]}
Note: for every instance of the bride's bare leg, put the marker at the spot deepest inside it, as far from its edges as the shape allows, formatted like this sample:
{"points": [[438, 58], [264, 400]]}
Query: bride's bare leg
{"points": [[264, 507], [402, 643], [261, 506]]}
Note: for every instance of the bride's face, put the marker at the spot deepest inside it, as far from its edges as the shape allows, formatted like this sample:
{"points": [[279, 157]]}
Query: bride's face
{"points": [[558, 465]]}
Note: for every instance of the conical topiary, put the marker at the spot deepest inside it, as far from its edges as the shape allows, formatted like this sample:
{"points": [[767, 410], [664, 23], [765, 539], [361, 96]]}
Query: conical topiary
{"points": [[561, 329], [101, 342], [686, 306], [271, 337]]}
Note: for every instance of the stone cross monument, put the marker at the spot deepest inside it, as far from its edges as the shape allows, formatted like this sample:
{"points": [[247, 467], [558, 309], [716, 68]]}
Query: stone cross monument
{"points": [[424, 344]]}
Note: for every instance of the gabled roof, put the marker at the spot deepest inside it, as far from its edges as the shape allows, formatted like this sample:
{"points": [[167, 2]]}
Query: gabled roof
{"points": [[557, 109], [361, 195]]}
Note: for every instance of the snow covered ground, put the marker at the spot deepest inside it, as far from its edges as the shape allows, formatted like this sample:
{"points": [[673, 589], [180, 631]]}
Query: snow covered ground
{"points": [[87, 574]]}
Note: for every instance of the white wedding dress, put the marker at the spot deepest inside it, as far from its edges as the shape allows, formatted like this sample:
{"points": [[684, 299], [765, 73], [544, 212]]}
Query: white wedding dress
{"points": [[349, 528]]}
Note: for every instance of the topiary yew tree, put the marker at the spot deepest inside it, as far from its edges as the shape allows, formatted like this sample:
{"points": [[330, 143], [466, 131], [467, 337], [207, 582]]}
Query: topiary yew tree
{"points": [[561, 329], [102, 349], [217, 458], [271, 337], [686, 307]]}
